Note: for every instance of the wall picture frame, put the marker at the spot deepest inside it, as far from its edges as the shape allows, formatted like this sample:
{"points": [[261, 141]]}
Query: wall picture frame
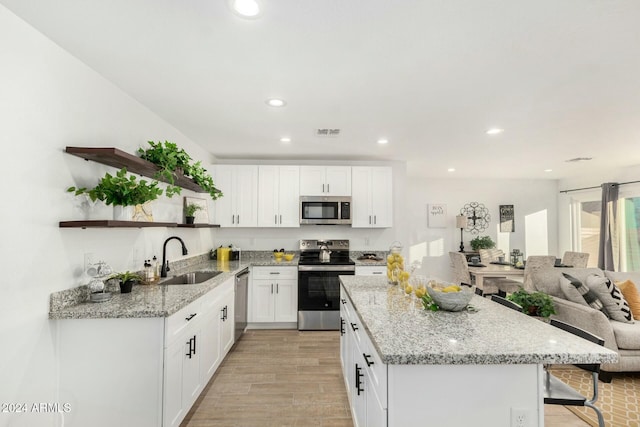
{"points": [[437, 215], [507, 219]]}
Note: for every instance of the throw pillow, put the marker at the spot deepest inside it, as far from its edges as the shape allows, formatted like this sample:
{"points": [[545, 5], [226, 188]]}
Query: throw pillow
{"points": [[631, 294], [590, 297], [570, 292], [611, 297]]}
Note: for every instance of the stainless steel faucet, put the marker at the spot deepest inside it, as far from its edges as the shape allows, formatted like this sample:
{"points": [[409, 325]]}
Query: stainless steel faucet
{"points": [[165, 263]]}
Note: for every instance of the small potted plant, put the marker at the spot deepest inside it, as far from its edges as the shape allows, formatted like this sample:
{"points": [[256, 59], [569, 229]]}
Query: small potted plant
{"points": [[483, 242], [190, 212], [121, 190], [536, 304], [126, 280]]}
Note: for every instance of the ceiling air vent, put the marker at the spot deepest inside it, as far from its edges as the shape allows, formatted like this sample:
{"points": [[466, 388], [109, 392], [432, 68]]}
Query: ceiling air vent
{"points": [[578, 159], [327, 132]]}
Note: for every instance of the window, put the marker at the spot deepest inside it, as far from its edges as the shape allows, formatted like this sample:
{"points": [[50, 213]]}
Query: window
{"points": [[586, 230]]}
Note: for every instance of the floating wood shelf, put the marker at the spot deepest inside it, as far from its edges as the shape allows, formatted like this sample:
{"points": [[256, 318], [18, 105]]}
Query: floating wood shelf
{"points": [[119, 159], [199, 225], [107, 223]]}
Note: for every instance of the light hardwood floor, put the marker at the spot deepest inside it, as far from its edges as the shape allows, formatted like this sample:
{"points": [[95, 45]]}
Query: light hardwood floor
{"points": [[290, 378]]}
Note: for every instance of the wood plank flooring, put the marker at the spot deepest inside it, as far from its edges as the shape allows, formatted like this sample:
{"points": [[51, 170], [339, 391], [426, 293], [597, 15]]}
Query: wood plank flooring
{"points": [[290, 378]]}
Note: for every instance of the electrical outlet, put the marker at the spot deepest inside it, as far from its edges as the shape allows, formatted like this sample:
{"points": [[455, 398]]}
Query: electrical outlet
{"points": [[520, 417]]}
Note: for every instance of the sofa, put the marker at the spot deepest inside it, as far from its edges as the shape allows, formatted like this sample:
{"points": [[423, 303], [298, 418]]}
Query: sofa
{"points": [[620, 336]]}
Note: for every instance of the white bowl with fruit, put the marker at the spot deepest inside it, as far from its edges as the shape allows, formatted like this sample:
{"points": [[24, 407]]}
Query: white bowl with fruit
{"points": [[450, 297]]}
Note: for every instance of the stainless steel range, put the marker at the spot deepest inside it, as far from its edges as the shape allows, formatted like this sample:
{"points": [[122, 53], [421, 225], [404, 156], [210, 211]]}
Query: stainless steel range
{"points": [[321, 262]]}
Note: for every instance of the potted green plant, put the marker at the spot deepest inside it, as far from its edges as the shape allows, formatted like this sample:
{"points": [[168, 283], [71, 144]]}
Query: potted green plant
{"points": [[126, 280], [482, 242], [121, 190], [534, 304], [190, 212]]}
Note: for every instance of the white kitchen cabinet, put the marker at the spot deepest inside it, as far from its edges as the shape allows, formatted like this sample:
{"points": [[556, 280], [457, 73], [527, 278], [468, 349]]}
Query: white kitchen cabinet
{"points": [[278, 196], [273, 295], [372, 197], [239, 205], [364, 374], [371, 270], [151, 369], [325, 180], [218, 320]]}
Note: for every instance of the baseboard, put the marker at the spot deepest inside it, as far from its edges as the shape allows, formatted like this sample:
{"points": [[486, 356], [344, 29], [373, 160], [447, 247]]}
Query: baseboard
{"points": [[273, 325]]}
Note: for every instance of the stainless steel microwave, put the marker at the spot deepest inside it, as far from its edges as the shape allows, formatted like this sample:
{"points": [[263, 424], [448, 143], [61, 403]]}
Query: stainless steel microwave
{"points": [[325, 210]]}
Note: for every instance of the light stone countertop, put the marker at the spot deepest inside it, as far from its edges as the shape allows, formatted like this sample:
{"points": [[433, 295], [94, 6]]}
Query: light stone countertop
{"points": [[404, 333], [157, 300]]}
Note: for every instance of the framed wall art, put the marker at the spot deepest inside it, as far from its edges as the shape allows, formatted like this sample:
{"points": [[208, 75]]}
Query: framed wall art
{"points": [[506, 219], [437, 215]]}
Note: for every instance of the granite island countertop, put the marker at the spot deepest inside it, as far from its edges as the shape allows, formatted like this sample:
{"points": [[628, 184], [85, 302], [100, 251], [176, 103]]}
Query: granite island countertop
{"points": [[156, 300], [404, 333]]}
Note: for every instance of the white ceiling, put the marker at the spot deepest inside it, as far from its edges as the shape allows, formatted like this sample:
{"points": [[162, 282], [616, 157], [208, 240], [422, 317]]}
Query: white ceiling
{"points": [[561, 77]]}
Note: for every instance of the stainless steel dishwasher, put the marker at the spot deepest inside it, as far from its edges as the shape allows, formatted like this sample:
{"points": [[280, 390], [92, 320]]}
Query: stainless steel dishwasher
{"points": [[242, 293]]}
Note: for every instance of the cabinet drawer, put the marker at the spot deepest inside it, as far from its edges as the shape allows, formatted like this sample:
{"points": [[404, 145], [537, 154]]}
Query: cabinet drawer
{"points": [[377, 371], [211, 298], [371, 270], [175, 323], [272, 273]]}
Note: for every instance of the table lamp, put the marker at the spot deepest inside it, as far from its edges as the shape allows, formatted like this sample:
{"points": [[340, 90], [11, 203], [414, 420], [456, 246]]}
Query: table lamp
{"points": [[461, 223]]}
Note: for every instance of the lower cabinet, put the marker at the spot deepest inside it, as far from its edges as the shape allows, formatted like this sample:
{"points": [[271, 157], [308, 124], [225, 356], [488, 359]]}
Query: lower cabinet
{"points": [[273, 295], [193, 353], [146, 372], [364, 373]]}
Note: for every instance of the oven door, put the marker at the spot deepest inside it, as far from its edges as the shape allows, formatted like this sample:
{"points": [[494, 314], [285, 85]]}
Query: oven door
{"points": [[319, 295]]}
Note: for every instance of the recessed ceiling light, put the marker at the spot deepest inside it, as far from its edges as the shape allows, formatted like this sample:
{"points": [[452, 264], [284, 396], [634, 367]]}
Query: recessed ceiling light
{"points": [[494, 131], [246, 8], [285, 139], [451, 170], [275, 102], [383, 141], [548, 170]]}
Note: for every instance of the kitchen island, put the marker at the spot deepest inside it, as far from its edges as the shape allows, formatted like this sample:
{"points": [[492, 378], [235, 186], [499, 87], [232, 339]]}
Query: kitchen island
{"points": [[405, 366]]}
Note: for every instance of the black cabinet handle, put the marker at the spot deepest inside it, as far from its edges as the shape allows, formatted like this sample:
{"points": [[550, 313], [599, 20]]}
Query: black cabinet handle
{"points": [[226, 313], [192, 347], [344, 301], [354, 327], [366, 359], [191, 316], [358, 380], [341, 326]]}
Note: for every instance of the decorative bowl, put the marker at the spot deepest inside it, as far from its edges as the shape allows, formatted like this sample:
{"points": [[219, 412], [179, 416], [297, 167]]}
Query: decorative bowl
{"points": [[451, 301], [289, 257], [278, 255]]}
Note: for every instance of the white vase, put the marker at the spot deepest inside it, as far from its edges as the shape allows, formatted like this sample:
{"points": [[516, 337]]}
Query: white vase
{"points": [[122, 213]]}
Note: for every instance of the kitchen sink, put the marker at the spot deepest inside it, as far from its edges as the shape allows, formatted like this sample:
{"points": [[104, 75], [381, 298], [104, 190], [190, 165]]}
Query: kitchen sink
{"points": [[191, 278]]}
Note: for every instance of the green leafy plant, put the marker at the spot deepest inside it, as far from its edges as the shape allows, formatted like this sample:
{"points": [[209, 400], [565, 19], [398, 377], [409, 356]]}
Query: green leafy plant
{"points": [[204, 180], [121, 190], [534, 303], [428, 303], [126, 276], [170, 159], [482, 242], [191, 209]]}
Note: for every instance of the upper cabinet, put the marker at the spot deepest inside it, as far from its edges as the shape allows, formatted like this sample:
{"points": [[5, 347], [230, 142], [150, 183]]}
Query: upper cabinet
{"points": [[372, 198], [239, 205], [325, 180], [278, 196]]}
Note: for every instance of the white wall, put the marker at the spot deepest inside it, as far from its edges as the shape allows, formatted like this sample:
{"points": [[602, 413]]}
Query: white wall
{"points": [[50, 100], [532, 199]]}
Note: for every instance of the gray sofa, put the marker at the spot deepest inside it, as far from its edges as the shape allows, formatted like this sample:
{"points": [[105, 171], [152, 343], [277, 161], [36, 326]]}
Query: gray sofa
{"points": [[618, 336]]}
